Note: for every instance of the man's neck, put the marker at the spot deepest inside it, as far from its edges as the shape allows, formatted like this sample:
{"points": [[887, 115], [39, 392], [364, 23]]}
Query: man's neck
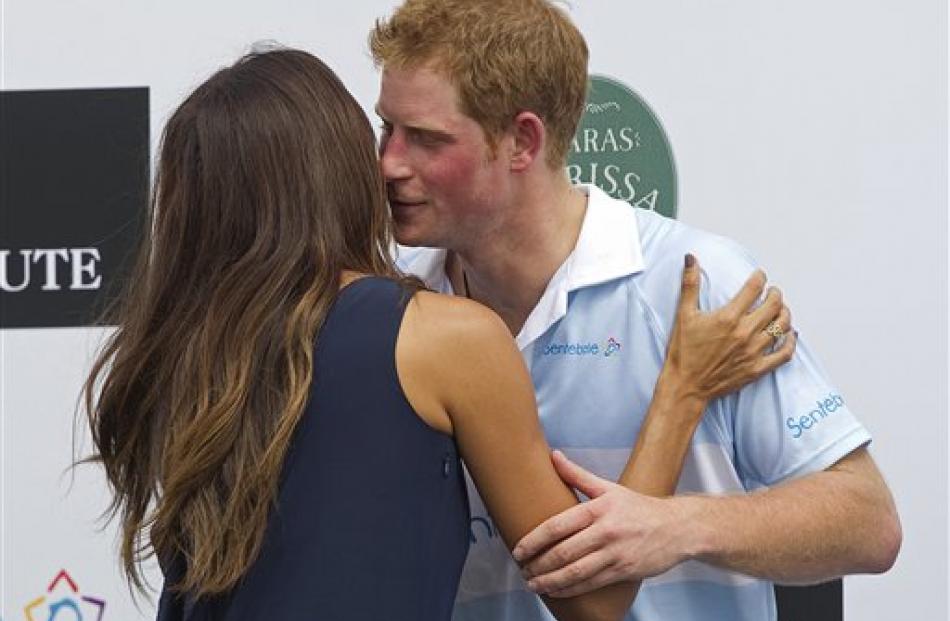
{"points": [[510, 272]]}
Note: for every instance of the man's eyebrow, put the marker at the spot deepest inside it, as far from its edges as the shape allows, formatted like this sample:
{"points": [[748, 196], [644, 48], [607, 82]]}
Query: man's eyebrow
{"points": [[436, 134]]}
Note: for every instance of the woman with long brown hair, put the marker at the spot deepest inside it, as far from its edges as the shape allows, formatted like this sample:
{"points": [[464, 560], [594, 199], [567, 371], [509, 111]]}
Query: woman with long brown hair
{"points": [[281, 414]]}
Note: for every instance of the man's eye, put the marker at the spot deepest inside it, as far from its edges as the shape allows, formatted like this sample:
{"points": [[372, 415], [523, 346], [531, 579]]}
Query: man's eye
{"points": [[427, 139]]}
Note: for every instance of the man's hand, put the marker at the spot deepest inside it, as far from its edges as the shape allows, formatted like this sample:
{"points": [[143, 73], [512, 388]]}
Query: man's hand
{"points": [[843, 520], [617, 535], [711, 354]]}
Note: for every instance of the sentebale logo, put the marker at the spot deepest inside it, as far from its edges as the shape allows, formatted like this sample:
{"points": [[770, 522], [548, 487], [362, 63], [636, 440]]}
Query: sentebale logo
{"points": [[621, 147], [582, 349], [823, 408]]}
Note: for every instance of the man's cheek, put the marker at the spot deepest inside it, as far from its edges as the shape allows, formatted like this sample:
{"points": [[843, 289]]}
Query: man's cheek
{"points": [[454, 170]]}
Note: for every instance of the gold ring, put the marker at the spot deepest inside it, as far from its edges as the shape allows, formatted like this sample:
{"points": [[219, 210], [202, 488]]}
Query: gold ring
{"points": [[774, 330]]}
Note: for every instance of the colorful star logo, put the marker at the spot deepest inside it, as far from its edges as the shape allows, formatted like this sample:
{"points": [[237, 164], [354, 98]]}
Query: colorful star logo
{"points": [[65, 607]]}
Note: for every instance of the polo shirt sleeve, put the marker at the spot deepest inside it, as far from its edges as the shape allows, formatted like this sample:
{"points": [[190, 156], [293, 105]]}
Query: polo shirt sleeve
{"points": [[791, 422]]}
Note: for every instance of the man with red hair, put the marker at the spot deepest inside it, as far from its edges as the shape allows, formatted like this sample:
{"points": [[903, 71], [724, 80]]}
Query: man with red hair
{"points": [[479, 102]]}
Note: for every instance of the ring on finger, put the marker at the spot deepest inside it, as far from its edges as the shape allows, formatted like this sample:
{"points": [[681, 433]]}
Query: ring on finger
{"points": [[774, 330]]}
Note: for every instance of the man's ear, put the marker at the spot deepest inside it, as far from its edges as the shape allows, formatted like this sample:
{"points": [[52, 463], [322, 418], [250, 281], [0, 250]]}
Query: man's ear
{"points": [[529, 136]]}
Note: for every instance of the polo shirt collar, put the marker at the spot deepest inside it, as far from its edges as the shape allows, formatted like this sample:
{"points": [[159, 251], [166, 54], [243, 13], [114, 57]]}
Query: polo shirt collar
{"points": [[607, 248], [428, 264]]}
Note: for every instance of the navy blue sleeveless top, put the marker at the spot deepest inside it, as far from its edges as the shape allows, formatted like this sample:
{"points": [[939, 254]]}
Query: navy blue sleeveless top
{"points": [[372, 519]]}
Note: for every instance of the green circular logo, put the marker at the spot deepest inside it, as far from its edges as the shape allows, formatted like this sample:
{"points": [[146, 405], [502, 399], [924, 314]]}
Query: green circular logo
{"points": [[621, 147]]}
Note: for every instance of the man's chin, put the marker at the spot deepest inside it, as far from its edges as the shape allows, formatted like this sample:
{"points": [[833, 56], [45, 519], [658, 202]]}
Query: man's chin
{"points": [[405, 236], [410, 244], [408, 241]]}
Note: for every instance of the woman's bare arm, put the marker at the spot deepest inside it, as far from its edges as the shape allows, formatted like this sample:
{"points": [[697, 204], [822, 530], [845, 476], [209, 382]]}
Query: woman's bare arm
{"points": [[461, 371]]}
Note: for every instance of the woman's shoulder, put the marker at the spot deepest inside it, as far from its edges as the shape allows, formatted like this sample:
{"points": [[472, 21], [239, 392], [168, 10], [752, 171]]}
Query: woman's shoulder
{"points": [[453, 322], [446, 348]]}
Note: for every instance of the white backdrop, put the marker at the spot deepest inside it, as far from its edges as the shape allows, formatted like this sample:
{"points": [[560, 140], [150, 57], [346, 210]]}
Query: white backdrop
{"points": [[813, 132]]}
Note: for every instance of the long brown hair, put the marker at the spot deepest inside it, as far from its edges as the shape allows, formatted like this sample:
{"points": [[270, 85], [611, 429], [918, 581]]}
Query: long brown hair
{"points": [[267, 188]]}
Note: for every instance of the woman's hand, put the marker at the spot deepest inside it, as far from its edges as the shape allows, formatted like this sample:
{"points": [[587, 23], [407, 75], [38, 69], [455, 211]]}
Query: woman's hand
{"points": [[711, 354]]}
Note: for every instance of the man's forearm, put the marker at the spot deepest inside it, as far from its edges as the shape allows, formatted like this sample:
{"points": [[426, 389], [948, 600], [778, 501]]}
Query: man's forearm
{"points": [[828, 524]]}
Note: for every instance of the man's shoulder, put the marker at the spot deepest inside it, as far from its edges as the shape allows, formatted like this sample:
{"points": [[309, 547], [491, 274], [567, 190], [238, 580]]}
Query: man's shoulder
{"points": [[665, 242], [725, 263]]}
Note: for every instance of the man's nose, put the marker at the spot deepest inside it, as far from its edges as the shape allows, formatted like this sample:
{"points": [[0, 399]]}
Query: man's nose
{"points": [[392, 158]]}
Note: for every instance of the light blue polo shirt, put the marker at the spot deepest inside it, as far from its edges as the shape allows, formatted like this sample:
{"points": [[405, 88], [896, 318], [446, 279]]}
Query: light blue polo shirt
{"points": [[594, 345]]}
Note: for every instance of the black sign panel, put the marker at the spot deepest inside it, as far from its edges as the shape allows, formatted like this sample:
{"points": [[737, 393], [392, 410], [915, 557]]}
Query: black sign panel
{"points": [[821, 602], [74, 175]]}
